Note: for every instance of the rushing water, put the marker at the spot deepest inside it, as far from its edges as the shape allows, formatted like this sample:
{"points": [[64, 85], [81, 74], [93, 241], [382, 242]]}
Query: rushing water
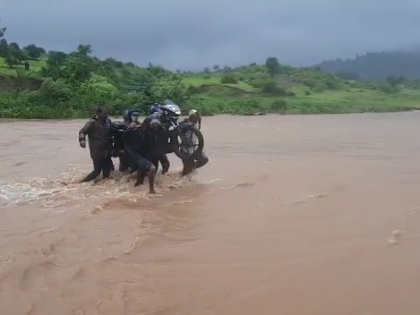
{"points": [[300, 215]]}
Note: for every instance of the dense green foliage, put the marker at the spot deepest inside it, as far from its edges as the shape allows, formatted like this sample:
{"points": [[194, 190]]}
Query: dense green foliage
{"points": [[379, 65], [39, 84]]}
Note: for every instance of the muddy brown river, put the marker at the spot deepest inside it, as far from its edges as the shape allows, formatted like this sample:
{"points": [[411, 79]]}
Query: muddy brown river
{"points": [[294, 215]]}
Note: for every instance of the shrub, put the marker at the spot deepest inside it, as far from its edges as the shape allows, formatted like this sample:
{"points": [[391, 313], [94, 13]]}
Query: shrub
{"points": [[309, 83], [271, 87], [388, 88], [228, 79], [192, 89], [278, 106]]}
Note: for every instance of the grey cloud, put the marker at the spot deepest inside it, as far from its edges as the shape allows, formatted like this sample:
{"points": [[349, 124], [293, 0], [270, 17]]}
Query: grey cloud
{"points": [[192, 34]]}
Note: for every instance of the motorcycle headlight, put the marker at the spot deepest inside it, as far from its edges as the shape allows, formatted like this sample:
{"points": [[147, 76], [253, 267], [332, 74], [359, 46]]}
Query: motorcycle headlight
{"points": [[173, 110]]}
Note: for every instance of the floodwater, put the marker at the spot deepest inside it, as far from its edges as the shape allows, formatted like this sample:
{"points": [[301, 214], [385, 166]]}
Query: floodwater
{"points": [[293, 215]]}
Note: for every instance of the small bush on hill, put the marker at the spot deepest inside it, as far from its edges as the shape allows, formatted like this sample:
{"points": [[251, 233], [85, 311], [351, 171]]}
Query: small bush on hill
{"points": [[278, 106], [228, 79], [271, 87]]}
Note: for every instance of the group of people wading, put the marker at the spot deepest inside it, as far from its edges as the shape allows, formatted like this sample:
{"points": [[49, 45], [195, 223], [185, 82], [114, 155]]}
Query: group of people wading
{"points": [[134, 148]]}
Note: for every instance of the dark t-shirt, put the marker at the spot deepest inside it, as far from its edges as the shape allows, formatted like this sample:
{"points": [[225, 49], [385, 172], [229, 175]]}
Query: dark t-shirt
{"points": [[135, 142]]}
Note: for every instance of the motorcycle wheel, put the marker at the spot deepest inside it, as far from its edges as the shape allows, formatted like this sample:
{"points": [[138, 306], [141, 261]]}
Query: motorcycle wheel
{"points": [[175, 145]]}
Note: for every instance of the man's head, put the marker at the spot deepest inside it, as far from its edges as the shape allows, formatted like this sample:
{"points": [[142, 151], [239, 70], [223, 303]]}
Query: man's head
{"points": [[134, 115], [101, 113], [193, 116], [154, 109]]}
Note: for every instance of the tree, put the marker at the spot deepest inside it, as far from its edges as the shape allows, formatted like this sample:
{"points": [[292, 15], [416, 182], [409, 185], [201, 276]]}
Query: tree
{"points": [[14, 57], [394, 81], [2, 30], [14, 45], [273, 66], [216, 67], [55, 61], [84, 50], [227, 69], [78, 68], [11, 61], [156, 70], [33, 51], [56, 58], [4, 48], [177, 92]]}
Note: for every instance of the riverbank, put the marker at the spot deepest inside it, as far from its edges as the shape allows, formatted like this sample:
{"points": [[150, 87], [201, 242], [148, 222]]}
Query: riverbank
{"points": [[331, 102], [247, 90], [339, 102]]}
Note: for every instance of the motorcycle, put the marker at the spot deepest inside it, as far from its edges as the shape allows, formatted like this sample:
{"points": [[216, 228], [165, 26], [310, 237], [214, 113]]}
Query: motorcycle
{"points": [[171, 135]]}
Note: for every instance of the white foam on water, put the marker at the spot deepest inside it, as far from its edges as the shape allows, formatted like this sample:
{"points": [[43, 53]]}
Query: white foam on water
{"points": [[15, 192], [53, 193], [206, 181]]}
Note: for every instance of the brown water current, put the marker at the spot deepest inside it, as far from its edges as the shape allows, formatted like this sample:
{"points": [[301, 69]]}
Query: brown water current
{"points": [[316, 215]]}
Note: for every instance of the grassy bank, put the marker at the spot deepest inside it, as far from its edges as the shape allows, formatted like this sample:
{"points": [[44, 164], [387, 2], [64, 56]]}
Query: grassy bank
{"points": [[241, 98], [326, 103], [70, 91]]}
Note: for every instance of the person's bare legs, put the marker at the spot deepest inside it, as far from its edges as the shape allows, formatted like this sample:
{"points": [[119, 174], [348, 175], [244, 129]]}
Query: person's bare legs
{"points": [[164, 161], [145, 167], [140, 177], [201, 160], [151, 177], [189, 166], [123, 161]]}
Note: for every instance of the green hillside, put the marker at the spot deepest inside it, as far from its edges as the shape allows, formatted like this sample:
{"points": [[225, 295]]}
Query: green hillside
{"points": [[66, 85], [379, 65]]}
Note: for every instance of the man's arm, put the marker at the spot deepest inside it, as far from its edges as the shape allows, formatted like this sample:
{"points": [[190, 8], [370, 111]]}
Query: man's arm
{"points": [[84, 132]]}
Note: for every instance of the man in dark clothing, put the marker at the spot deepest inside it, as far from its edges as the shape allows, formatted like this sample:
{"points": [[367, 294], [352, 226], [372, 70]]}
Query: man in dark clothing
{"points": [[97, 129], [158, 139], [117, 132], [131, 119], [194, 162], [137, 149], [158, 152]]}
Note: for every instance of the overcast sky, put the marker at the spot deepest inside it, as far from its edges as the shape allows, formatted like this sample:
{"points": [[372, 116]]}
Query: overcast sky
{"points": [[192, 34]]}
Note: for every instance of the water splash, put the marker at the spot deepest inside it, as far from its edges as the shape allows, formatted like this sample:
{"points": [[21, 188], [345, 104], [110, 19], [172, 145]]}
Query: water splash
{"points": [[53, 193], [11, 192]]}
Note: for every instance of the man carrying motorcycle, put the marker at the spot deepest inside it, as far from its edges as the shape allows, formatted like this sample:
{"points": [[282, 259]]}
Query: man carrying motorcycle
{"points": [[154, 114], [131, 119], [195, 161], [137, 147]]}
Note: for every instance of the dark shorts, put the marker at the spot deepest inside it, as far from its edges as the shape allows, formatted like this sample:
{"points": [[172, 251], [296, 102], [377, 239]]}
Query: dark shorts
{"points": [[142, 163], [197, 161], [163, 161]]}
